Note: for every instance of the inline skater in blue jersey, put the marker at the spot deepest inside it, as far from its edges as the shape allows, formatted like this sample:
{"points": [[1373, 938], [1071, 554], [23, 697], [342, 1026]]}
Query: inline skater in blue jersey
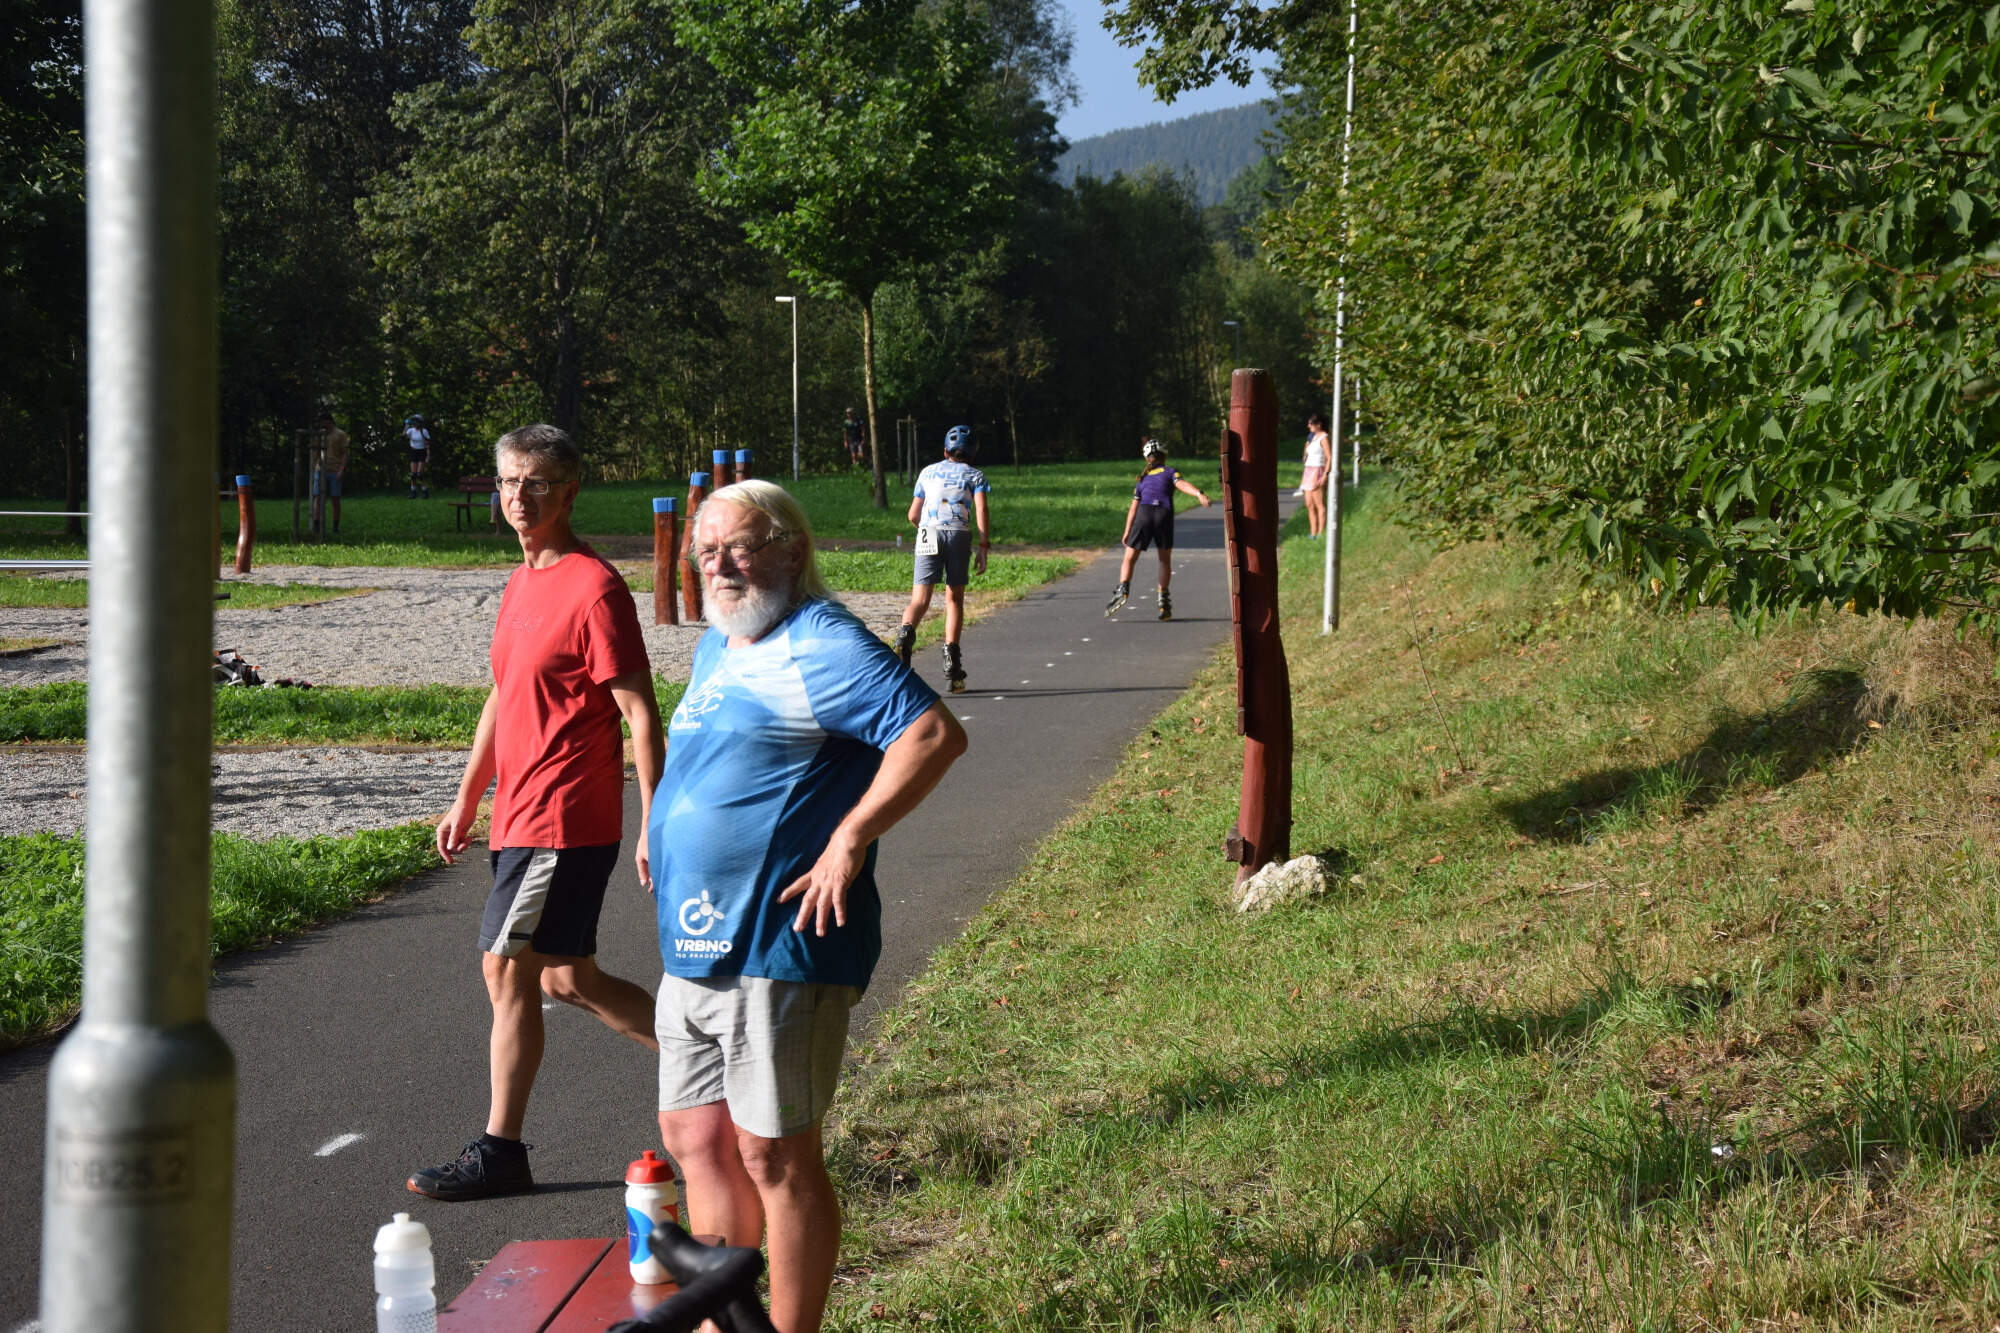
{"points": [[1150, 522], [950, 498], [800, 740]]}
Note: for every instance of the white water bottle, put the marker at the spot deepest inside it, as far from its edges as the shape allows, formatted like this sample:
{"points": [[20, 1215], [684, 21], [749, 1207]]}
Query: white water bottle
{"points": [[404, 1274], [649, 1198]]}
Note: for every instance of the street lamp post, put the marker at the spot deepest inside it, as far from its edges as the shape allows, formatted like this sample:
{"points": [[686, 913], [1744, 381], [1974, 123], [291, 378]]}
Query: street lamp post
{"points": [[793, 302], [1235, 327]]}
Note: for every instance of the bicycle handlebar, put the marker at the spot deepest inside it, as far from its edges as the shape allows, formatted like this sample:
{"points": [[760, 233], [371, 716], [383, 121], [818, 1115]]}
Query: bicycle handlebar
{"points": [[717, 1282]]}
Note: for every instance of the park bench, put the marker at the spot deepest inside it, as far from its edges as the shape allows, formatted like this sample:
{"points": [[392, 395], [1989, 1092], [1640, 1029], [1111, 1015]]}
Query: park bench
{"points": [[551, 1286], [474, 493]]}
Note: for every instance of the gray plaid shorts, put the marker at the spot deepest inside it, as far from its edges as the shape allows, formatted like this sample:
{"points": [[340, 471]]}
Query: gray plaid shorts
{"points": [[770, 1049]]}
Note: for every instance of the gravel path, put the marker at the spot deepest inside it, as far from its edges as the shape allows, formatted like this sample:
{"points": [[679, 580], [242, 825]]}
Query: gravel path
{"points": [[418, 627]]}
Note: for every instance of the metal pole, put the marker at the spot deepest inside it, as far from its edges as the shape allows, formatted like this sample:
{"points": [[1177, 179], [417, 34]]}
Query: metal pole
{"points": [[139, 1165], [1329, 613]]}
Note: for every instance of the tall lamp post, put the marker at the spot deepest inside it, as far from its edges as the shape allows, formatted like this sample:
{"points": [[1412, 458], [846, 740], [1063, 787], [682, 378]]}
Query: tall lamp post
{"points": [[1235, 327], [793, 302]]}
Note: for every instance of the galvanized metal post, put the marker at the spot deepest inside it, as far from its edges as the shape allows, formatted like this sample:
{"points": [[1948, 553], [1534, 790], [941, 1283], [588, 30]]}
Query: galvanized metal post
{"points": [[142, 1095]]}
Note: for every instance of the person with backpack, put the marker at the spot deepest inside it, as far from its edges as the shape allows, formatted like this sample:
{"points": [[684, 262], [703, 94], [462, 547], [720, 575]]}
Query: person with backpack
{"points": [[1149, 521], [950, 498]]}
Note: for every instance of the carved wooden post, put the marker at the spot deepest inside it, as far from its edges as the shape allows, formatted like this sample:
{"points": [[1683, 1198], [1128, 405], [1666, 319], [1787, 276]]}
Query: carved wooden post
{"points": [[691, 576], [1263, 829], [725, 473], [666, 559], [246, 524], [742, 465]]}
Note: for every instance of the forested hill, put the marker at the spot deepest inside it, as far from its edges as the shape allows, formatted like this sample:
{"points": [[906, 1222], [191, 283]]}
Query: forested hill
{"points": [[1210, 148]]}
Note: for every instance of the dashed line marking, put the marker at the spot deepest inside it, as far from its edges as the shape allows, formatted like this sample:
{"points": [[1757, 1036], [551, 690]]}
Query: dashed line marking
{"points": [[336, 1143]]}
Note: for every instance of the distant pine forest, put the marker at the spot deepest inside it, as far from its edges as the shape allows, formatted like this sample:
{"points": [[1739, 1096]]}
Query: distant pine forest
{"points": [[1210, 149]]}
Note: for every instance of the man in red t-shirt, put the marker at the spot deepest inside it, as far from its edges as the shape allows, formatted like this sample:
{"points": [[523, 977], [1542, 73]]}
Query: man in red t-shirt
{"points": [[569, 663]]}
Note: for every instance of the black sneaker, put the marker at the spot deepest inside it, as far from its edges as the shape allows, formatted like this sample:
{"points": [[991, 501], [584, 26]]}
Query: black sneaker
{"points": [[481, 1171], [1118, 597], [954, 669], [1166, 605], [906, 642]]}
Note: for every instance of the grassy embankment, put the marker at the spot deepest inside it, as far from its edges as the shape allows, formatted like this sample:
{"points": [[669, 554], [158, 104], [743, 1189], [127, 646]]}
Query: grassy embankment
{"points": [[1655, 993]]}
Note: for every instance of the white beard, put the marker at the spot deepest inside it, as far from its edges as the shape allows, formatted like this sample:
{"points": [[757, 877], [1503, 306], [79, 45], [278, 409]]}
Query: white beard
{"points": [[752, 612]]}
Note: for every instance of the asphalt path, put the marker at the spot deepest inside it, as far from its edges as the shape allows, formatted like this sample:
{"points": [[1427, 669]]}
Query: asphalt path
{"points": [[361, 1046]]}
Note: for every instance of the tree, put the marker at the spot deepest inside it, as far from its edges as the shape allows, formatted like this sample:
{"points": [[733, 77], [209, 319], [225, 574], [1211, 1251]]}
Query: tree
{"points": [[864, 148], [41, 235], [548, 205]]}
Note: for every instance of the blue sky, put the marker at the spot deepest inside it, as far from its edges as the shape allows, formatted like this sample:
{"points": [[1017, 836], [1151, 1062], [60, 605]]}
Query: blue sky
{"points": [[1111, 96]]}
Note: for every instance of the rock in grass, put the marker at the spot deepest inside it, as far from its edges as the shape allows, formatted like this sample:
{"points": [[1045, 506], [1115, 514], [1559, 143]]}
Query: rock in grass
{"points": [[1296, 880]]}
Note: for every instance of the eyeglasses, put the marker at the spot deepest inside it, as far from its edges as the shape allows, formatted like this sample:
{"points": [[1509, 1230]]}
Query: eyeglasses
{"points": [[739, 552], [526, 485]]}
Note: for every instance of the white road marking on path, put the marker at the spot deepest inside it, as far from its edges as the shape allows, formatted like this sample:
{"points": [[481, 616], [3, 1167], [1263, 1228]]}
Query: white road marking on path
{"points": [[336, 1143], [1048, 664], [1069, 654]]}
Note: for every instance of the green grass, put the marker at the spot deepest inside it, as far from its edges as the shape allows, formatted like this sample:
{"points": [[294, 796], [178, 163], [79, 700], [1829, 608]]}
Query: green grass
{"points": [[430, 715], [18, 590], [262, 891], [1655, 993], [441, 715], [1048, 505]]}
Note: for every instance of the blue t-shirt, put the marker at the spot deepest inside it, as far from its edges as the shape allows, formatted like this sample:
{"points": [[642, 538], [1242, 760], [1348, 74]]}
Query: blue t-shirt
{"points": [[1156, 486], [948, 487], [768, 750]]}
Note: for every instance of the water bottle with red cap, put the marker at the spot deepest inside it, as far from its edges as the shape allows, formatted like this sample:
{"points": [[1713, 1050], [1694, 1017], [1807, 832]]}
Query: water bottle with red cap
{"points": [[649, 1198]]}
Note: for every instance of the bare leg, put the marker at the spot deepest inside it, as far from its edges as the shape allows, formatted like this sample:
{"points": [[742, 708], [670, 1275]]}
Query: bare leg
{"points": [[920, 605], [1125, 570], [954, 613], [514, 1047], [1166, 567], [618, 1004], [803, 1217], [721, 1199]]}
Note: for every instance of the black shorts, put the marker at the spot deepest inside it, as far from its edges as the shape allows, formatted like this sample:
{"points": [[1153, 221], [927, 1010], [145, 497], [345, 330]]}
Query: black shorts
{"points": [[1152, 525], [546, 899]]}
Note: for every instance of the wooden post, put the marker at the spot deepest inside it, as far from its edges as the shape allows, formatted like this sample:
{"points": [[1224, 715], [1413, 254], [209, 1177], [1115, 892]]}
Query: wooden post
{"points": [[742, 465], [690, 576], [1263, 828], [725, 468], [246, 524], [666, 560]]}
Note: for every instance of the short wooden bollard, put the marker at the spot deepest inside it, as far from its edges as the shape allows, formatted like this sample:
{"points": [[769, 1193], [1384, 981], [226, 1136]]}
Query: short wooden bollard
{"points": [[742, 465], [666, 559], [725, 469], [690, 575], [246, 524], [1263, 830]]}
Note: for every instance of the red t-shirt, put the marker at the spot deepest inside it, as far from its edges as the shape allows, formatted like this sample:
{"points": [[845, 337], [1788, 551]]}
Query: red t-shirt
{"points": [[562, 633]]}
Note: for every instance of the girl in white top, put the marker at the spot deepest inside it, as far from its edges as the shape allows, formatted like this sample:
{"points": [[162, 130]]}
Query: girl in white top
{"points": [[1314, 484]]}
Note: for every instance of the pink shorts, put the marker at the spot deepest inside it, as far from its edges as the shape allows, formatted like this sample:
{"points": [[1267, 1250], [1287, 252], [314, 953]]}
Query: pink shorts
{"points": [[1314, 479]]}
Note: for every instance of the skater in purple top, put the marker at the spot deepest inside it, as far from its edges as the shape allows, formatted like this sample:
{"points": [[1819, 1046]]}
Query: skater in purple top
{"points": [[1150, 522]]}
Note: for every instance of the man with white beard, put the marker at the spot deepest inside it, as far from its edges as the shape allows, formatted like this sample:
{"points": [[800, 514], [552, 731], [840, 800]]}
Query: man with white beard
{"points": [[801, 739]]}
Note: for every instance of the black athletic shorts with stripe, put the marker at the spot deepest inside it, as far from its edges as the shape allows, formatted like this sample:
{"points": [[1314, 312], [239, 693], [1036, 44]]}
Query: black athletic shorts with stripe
{"points": [[546, 899]]}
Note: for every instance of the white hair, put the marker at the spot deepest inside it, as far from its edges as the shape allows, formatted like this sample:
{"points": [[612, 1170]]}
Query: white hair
{"points": [[776, 503]]}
